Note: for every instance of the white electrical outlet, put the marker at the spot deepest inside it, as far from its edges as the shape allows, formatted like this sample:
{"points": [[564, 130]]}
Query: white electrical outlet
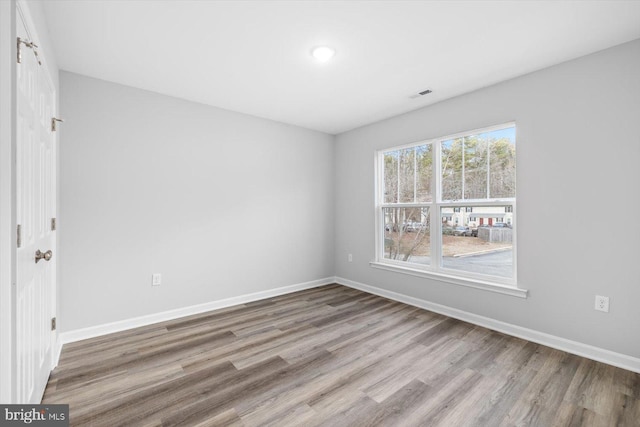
{"points": [[156, 279], [602, 303], [350, 258]]}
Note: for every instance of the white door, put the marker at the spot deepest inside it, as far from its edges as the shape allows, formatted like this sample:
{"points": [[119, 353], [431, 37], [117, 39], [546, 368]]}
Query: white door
{"points": [[36, 206]]}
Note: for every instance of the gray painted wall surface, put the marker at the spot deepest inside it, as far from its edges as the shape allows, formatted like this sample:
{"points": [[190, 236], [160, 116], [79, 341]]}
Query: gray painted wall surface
{"points": [[578, 206], [220, 203]]}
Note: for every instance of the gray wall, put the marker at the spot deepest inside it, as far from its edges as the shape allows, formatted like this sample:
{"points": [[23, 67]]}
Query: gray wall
{"points": [[578, 147], [221, 204]]}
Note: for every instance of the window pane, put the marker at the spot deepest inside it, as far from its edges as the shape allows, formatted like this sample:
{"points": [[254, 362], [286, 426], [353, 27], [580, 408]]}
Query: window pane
{"points": [[407, 175], [502, 163], [478, 239], [479, 166], [424, 161], [451, 161], [475, 167], [407, 234], [391, 176]]}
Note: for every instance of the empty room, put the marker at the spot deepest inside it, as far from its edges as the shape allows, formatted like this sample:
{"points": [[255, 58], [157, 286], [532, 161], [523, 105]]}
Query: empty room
{"points": [[319, 213]]}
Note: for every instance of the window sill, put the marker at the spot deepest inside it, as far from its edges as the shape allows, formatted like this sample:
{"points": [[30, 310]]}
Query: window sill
{"points": [[471, 283]]}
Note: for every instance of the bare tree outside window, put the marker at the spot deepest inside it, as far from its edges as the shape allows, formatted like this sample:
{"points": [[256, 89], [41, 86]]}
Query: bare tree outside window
{"points": [[478, 167], [406, 234]]}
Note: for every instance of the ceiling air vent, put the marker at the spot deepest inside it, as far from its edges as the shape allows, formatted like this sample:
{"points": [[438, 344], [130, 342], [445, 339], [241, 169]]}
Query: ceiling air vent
{"points": [[419, 94]]}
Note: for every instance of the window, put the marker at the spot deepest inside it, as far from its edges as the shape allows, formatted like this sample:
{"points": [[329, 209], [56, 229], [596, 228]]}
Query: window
{"points": [[447, 206]]}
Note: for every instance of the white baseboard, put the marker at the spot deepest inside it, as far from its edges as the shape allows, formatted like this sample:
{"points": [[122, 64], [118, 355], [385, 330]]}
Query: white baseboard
{"points": [[57, 350], [122, 325], [585, 350]]}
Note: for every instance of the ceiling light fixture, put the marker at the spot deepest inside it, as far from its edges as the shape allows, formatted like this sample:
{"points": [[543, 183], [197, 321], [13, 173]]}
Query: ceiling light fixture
{"points": [[323, 53]]}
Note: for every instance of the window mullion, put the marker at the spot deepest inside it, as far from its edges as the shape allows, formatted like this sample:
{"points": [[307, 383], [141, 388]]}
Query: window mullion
{"points": [[398, 179], [488, 169], [380, 197], [462, 147], [436, 189], [415, 174]]}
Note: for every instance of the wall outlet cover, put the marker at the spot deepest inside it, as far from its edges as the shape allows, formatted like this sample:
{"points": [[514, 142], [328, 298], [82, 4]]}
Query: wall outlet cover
{"points": [[602, 303]]}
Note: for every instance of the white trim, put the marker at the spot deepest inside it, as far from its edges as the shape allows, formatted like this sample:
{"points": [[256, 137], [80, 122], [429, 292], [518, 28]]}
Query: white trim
{"points": [[7, 198], [122, 325], [598, 354], [498, 203], [458, 279], [57, 350]]}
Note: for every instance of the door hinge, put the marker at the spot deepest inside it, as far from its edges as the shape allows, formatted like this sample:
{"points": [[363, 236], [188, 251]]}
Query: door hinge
{"points": [[53, 224], [53, 323], [30, 45], [54, 123], [19, 235]]}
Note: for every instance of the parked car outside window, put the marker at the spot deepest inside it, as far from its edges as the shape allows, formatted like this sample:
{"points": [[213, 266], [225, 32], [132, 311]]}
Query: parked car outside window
{"points": [[461, 231], [501, 225]]}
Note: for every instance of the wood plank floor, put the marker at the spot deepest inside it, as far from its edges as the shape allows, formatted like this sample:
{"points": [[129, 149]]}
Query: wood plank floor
{"points": [[334, 356]]}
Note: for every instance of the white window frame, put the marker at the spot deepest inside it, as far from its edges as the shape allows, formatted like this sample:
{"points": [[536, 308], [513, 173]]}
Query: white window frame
{"points": [[435, 270]]}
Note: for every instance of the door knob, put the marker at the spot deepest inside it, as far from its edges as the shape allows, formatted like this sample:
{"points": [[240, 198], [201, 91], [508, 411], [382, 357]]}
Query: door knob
{"points": [[43, 255]]}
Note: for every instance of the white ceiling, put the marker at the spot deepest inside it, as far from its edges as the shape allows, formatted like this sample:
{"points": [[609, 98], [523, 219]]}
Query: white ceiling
{"points": [[254, 56]]}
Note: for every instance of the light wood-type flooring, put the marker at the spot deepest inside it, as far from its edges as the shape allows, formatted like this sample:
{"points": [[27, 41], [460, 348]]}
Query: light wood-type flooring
{"points": [[334, 356]]}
